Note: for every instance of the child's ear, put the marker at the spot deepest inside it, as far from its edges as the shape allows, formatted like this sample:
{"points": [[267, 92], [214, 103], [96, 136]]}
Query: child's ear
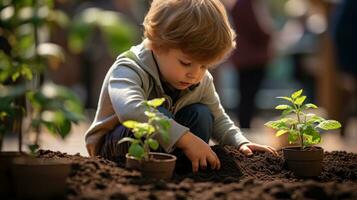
{"points": [[159, 50]]}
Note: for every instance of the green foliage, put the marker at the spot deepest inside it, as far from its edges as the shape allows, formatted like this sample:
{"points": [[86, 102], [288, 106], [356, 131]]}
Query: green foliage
{"points": [[118, 33], [304, 129], [33, 149], [143, 139], [55, 107], [24, 57]]}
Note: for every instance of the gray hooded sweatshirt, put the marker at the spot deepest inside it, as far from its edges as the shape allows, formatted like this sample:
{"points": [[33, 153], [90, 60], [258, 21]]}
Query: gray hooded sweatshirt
{"points": [[133, 78]]}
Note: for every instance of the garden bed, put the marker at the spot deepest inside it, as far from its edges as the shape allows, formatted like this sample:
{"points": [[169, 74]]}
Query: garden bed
{"points": [[261, 176]]}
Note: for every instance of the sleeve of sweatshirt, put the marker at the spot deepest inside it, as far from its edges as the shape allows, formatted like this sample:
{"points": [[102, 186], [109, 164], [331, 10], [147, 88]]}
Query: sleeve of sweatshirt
{"points": [[127, 95], [224, 130]]}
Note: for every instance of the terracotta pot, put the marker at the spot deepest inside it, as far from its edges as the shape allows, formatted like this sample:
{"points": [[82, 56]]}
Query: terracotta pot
{"points": [[6, 158], [40, 178], [306, 162], [160, 166]]}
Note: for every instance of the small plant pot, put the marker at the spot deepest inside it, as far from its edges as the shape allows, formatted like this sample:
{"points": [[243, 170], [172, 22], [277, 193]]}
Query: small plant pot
{"points": [[40, 178], [6, 158], [305, 163], [159, 166]]}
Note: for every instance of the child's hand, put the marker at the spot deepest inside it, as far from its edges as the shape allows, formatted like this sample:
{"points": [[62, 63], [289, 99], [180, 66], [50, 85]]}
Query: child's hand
{"points": [[249, 148], [199, 152]]}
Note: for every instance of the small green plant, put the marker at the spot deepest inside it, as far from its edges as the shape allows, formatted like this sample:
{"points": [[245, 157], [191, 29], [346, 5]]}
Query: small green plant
{"points": [[304, 129], [143, 132]]}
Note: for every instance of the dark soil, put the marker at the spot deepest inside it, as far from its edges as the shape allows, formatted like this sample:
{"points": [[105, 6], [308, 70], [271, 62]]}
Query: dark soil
{"points": [[261, 176]]}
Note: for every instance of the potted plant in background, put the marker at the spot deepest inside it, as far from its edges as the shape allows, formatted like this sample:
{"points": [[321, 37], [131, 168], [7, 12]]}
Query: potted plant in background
{"points": [[304, 160], [10, 122], [54, 107], [24, 58], [151, 164]]}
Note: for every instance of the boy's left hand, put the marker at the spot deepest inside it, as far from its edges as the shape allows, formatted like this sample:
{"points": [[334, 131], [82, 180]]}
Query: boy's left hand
{"points": [[249, 148]]}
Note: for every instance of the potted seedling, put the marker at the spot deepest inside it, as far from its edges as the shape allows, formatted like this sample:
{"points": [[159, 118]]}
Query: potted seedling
{"points": [[305, 160], [151, 164]]}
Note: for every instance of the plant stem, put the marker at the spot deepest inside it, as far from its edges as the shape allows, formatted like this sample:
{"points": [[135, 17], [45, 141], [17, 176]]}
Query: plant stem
{"points": [[1, 140], [22, 102], [147, 150], [300, 133]]}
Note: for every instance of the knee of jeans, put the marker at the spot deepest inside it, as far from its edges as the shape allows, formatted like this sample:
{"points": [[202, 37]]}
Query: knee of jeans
{"points": [[200, 111]]}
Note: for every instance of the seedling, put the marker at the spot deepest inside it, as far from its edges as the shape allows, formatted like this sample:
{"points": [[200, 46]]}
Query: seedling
{"points": [[305, 128], [143, 139]]}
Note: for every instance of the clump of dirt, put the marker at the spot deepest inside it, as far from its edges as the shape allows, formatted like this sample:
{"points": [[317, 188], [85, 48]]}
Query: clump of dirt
{"points": [[261, 176]]}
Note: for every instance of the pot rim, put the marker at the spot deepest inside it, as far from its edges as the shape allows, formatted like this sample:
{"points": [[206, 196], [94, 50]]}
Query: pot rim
{"points": [[298, 148], [12, 153], [34, 161], [170, 157]]}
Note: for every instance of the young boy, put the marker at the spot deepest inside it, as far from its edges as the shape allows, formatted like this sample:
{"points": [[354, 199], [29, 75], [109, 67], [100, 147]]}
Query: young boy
{"points": [[183, 39]]}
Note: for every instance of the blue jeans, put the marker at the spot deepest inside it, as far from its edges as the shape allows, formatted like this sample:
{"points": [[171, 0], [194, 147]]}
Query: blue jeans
{"points": [[197, 117]]}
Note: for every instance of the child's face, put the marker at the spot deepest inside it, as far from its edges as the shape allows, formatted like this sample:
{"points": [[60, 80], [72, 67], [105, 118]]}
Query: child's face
{"points": [[178, 70]]}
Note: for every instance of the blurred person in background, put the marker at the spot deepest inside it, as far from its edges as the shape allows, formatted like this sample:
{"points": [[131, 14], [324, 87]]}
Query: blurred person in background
{"points": [[344, 31], [253, 24], [299, 41]]}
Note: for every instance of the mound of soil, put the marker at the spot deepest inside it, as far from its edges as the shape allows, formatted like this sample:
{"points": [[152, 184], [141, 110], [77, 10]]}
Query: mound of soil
{"points": [[261, 176]]}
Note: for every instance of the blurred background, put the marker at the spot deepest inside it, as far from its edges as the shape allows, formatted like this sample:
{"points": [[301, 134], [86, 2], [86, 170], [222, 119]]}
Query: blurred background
{"points": [[282, 46]]}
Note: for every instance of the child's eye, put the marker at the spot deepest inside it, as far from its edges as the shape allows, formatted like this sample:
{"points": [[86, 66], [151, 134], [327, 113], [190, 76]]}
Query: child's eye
{"points": [[184, 63]]}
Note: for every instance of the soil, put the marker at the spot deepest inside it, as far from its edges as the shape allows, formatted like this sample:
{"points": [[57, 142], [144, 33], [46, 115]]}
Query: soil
{"points": [[261, 176]]}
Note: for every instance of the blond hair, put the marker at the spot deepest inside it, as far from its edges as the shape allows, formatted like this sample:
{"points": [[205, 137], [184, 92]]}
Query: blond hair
{"points": [[199, 28]]}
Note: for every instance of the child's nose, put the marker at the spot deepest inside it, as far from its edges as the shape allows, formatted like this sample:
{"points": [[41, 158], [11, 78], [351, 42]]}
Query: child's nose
{"points": [[190, 76]]}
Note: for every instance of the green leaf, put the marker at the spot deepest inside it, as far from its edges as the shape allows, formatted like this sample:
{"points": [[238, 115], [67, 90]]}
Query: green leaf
{"points": [[130, 124], [286, 98], [316, 138], [64, 127], [312, 118], [311, 135], [296, 94], [309, 105], [282, 107], [150, 114], [307, 140], [33, 148], [281, 124], [156, 102], [56, 123], [136, 150], [286, 112], [138, 133], [289, 121], [329, 125], [15, 76], [293, 136], [299, 101], [281, 132], [273, 124], [26, 72], [153, 144], [146, 128], [51, 127]]}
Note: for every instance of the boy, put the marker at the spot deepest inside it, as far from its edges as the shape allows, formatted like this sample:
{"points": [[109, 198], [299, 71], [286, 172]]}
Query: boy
{"points": [[182, 40]]}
